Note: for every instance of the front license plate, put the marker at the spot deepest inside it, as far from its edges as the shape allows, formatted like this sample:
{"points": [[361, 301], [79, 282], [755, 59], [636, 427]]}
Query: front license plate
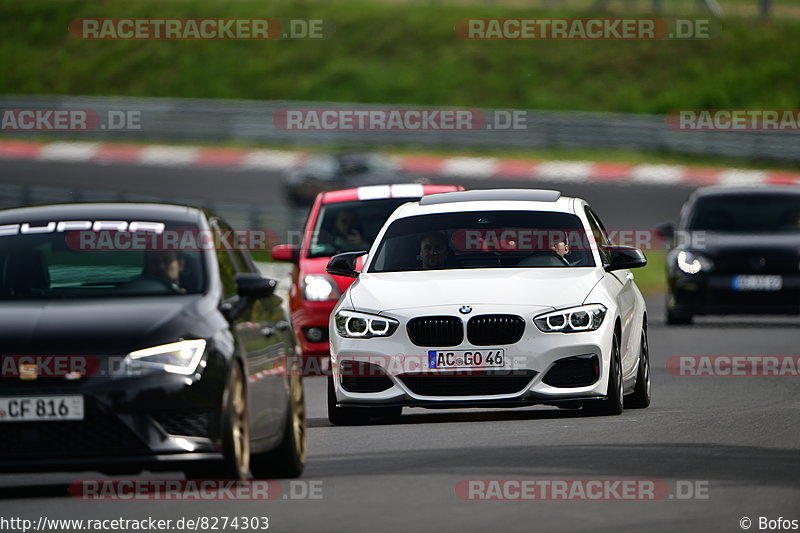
{"points": [[490, 358], [757, 283], [41, 408]]}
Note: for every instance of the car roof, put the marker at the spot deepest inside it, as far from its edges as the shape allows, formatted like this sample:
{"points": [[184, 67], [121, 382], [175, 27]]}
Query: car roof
{"points": [[108, 211], [375, 192], [730, 190], [530, 195], [491, 200]]}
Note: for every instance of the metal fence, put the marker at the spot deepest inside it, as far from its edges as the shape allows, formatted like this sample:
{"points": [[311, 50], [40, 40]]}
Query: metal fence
{"points": [[284, 220], [252, 121]]}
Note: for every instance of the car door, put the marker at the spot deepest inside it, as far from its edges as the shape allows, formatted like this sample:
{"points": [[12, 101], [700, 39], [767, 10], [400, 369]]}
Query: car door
{"points": [[626, 296], [259, 327]]}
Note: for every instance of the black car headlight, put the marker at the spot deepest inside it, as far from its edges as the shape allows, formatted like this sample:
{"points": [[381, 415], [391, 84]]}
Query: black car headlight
{"points": [[693, 262], [572, 319], [355, 325], [181, 357]]}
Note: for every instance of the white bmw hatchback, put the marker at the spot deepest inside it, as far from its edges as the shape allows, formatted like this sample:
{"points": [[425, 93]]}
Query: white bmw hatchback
{"points": [[489, 298]]}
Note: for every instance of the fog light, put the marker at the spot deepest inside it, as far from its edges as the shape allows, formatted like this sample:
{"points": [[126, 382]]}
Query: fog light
{"points": [[316, 334]]}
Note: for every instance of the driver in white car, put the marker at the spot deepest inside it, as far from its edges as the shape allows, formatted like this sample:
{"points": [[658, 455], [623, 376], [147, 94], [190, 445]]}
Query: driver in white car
{"points": [[433, 251]]}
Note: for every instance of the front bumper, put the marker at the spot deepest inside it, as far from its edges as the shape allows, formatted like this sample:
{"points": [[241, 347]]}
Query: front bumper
{"points": [[153, 421], [526, 366], [313, 316], [714, 294]]}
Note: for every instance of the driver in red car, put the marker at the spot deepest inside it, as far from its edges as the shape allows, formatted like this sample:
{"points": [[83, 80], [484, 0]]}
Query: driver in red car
{"points": [[348, 234]]}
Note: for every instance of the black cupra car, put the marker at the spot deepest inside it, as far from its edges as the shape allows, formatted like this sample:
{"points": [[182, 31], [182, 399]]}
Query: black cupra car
{"points": [[736, 250], [136, 337]]}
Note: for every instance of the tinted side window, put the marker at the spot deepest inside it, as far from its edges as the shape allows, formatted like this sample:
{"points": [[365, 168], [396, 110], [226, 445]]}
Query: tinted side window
{"points": [[599, 234], [240, 256], [227, 266]]}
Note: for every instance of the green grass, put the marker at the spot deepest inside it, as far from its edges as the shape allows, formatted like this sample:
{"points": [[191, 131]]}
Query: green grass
{"points": [[651, 279], [398, 53]]}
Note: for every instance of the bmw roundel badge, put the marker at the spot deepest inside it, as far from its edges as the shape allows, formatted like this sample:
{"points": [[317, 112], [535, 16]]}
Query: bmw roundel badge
{"points": [[465, 309]]}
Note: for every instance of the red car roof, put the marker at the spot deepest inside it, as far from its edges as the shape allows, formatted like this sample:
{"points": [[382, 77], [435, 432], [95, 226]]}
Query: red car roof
{"points": [[373, 192]]}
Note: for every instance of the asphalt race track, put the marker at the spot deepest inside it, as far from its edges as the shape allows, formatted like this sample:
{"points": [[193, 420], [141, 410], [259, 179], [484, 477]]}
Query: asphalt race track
{"points": [[726, 447]]}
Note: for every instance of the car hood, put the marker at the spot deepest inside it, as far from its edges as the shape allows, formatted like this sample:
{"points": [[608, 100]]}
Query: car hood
{"points": [[555, 287], [102, 326]]}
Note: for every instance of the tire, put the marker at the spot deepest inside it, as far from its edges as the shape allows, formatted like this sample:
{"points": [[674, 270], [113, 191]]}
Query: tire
{"points": [[640, 397], [613, 403], [235, 436], [345, 416], [288, 458]]}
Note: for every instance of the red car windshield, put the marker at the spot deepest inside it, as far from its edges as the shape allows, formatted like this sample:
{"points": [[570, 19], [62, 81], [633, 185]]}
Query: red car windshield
{"points": [[350, 226]]}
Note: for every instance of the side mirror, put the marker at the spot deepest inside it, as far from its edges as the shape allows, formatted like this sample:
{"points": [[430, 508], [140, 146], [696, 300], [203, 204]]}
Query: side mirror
{"points": [[666, 231], [622, 257], [286, 252], [255, 286], [344, 264]]}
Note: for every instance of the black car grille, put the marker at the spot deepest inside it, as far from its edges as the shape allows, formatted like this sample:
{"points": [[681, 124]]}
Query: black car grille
{"points": [[94, 436], [490, 330], [476, 384], [436, 331], [184, 423], [756, 262], [578, 371]]}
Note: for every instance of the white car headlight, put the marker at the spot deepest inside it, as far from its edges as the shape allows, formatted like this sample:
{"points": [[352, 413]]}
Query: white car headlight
{"points": [[319, 288], [178, 357], [692, 262], [355, 325], [571, 320]]}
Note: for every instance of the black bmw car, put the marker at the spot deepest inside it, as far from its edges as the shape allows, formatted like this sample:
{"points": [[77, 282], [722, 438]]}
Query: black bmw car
{"points": [[736, 250], [131, 340]]}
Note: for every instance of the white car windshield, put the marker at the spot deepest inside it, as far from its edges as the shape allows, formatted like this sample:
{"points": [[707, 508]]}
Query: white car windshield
{"points": [[492, 239]]}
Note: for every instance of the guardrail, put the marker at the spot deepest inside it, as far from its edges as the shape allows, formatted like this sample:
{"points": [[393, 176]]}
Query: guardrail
{"points": [[280, 218], [252, 121]]}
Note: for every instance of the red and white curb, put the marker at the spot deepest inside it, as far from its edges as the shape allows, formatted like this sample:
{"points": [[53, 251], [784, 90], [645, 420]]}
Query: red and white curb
{"points": [[452, 167]]}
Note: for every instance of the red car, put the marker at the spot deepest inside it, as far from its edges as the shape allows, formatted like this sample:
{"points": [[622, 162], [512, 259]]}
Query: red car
{"points": [[340, 221]]}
